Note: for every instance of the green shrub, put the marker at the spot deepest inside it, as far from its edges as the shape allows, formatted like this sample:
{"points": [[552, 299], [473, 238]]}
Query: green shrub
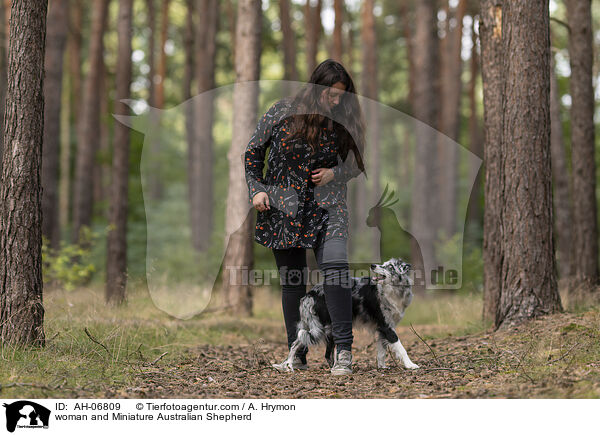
{"points": [[70, 265]]}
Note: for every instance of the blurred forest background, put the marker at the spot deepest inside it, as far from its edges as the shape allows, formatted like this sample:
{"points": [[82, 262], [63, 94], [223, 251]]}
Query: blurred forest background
{"points": [[180, 49]]}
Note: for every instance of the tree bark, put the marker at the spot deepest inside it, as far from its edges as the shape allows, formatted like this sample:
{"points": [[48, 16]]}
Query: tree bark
{"points": [[338, 46], [201, 152], [563, 215], [74, 106], [245, 102], [155, 184], [21, 304], [490, 34], [370, 90], [585, 226], [116, 261], [230, 10], [312, 15], [406, 15], [3, 61], [424, 110], [89, 134], [449, 120], [474, 210], [64, 182], [151, 51], [350, 52], [188, 76], [101, 165], [528, 267], [58, 22], [290, 72], [159, 98]]}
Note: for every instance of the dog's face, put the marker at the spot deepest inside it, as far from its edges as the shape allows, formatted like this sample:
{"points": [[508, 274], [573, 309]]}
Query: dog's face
{"points": [[394, 270], [395, 274]]}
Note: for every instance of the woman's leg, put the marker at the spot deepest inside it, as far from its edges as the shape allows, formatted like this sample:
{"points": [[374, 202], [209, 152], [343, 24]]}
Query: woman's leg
{"points": [[291, 264], [332, 257]]}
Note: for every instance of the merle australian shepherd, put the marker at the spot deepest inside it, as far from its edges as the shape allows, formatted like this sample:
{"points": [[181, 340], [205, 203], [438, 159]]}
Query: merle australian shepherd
{"points": [[378, 303]]}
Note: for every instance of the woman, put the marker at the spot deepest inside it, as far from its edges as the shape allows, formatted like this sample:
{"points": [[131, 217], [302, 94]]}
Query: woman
{"points": [[301, 201]]}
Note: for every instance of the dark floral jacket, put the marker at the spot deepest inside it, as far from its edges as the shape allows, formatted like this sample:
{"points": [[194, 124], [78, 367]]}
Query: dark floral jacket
{"points": [[301, 214]]}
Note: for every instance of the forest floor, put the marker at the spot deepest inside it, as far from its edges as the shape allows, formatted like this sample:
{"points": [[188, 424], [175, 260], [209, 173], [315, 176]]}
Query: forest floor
{"points": [[91, 353]]}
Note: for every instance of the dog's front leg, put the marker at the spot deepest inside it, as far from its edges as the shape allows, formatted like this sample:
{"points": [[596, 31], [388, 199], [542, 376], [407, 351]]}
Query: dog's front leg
{"points": [[400, 353], [288, 364], [381, 352], [394, 343]]}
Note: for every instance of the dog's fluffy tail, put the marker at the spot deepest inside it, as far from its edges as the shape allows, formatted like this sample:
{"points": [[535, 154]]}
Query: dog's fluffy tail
{"points": [[310, 330]]}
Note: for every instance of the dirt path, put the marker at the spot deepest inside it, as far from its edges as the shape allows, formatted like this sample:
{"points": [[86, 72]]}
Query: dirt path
{"points": [[558, 356]]}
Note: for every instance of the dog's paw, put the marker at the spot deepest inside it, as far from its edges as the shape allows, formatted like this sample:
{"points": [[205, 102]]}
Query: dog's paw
{"points": [[382, 367], [283, 367], [411, 365]]}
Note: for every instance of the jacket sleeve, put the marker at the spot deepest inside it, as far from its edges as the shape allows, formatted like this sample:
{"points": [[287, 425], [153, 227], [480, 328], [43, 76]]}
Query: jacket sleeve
{"points": [[345, 170], [254, 157]]}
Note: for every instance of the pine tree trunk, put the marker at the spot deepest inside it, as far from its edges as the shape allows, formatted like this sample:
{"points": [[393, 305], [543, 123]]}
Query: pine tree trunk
{"points": [[528, 286], [490, 34], [55, 47], [406, 17], [474, 214], [159, 89], [73, 85], [350, 52], [290, 72], [231, 21], [424, 110], [3, 61], [89, 134], [150, 7], [188, 76], [189, 47], [585, 226], [21, 305], [371, 107], [312, 17], [116, 261], [563, 215], [201, 153], [338, 46], [404, 169], [449, 121], [101, 168], [155, 184], [64, 182], [74, 52], [245, 102]]}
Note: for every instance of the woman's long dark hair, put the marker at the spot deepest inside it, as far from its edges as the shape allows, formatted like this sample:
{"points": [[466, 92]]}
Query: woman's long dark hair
{"points": [[352, 134]]}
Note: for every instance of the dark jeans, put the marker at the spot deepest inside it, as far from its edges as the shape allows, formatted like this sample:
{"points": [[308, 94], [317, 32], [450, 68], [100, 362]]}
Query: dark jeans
{"points": [[332, 258]]}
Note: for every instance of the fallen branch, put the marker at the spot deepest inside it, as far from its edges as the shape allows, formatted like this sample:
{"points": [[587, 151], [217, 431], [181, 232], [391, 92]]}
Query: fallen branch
{"points": [[421, 338], [564, 354], [159, 358], [97, 342]]}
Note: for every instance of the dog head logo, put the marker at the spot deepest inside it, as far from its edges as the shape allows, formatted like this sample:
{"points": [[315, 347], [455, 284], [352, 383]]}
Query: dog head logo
{"points": [[26, 414], [195, 213]]}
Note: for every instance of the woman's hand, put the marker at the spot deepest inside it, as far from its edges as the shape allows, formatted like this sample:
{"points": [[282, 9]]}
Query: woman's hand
{"points": [[322, 176], [260, 201]]}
